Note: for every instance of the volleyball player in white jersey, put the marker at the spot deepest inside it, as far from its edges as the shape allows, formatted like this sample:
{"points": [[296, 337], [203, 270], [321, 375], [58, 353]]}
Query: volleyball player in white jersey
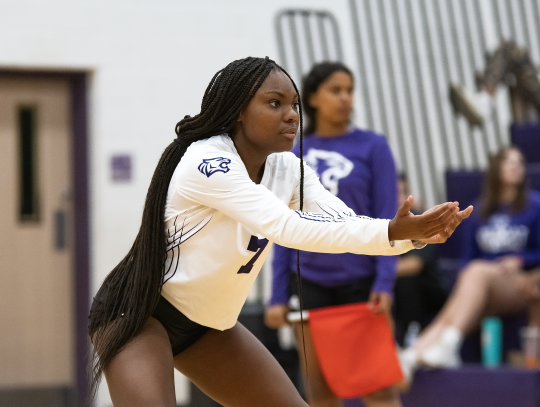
{"points": [[222, 192]]}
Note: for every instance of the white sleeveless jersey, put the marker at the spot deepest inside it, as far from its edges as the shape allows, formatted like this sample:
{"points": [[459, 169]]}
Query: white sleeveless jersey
{"points": [[220, 226]]}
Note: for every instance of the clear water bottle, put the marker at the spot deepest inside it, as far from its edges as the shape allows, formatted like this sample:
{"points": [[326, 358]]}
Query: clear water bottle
{"points": [[411, 336]]}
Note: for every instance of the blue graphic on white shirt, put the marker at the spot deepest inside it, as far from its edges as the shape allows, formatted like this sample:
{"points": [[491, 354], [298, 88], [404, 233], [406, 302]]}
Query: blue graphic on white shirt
{"points": [[499, 236], [255, 245], [178, 234], [333, 214], [330, 166], [210, 166]]}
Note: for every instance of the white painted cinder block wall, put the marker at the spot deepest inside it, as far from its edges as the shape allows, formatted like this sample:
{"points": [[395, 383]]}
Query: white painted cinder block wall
{"points": [[150, 62]]}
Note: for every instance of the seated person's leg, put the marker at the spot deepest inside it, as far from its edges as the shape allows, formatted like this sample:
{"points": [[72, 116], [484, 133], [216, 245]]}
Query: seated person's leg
{"points": [[483, 288]]}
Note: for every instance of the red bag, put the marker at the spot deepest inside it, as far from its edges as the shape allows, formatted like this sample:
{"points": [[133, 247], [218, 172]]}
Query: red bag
{"points": [[355, 349]]}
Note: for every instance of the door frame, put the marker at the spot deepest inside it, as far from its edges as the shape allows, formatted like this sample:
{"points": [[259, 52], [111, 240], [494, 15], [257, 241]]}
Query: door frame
{"points": [[78, 84]]}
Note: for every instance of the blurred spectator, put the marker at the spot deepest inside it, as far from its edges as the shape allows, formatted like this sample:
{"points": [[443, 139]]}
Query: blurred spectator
{"points": [[501, 255], [511, 63], [419, 292], [357, 166]]}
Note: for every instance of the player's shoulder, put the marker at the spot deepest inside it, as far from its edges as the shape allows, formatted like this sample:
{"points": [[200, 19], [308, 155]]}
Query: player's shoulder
{"points": [[283, 161], [221, 144], [213, 149], [215, 155]]}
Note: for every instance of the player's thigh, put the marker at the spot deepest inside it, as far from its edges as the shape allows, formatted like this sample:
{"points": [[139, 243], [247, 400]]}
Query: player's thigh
{"points": [[504, 296], [236, 370], [142, 374], [316, 387]]}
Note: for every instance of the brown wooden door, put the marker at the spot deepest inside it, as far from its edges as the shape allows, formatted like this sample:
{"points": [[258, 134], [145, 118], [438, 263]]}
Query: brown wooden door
{"points": [[36, 244]]}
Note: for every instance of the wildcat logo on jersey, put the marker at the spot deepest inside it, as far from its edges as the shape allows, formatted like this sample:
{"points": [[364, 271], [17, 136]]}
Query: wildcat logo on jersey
{"points": [[210, 166], [330, 166]]}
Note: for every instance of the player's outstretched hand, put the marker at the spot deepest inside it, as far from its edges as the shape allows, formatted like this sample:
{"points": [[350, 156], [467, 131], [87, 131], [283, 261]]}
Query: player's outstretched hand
{"points": [[435, 225]]}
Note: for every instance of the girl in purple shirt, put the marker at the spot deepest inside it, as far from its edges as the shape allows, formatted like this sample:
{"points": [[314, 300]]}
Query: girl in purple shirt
{"points": [[357, 166]]}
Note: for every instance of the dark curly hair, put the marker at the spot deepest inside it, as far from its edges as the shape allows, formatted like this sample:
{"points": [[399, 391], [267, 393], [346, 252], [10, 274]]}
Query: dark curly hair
{"points": [[318, 74]]}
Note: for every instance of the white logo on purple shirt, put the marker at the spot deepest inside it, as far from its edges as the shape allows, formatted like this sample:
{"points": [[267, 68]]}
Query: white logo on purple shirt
{"points": [[499, 236], [330, 166]]}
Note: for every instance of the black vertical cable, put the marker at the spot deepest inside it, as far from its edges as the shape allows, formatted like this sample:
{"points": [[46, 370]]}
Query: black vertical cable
{"points": [[299, 279]]}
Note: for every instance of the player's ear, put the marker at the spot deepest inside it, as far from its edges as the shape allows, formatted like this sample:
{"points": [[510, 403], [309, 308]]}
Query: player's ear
{"points": [[240, 116]]}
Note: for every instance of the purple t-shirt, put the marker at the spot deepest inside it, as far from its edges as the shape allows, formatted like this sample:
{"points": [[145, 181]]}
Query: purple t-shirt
{"points": [[505, 233], [359, 168]]}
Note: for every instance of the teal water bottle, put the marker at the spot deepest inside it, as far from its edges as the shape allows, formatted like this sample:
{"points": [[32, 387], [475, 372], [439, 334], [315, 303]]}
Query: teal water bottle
{"points": [[491, 342]]}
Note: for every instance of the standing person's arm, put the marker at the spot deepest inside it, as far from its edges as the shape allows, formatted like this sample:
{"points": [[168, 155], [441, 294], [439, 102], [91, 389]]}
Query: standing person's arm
{"points": [[275, 314], [383, 205], [281, 268]]}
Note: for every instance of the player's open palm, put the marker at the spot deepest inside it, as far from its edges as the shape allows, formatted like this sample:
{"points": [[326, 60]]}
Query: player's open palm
{"points": [[435, 225], [452, 224]]}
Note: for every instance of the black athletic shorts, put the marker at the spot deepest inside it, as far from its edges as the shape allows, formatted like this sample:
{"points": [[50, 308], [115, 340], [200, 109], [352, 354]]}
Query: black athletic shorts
{"points": [[319, 296], [182, 331]]}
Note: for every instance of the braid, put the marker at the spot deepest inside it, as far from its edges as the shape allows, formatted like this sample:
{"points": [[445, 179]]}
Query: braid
{"points": [[298, 274], [131, 291]]}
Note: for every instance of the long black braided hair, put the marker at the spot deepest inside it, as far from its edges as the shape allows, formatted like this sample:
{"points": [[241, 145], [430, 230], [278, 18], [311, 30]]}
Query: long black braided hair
{"points": [[131, 291]]}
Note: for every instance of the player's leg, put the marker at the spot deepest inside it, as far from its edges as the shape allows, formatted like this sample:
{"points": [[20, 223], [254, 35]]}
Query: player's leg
{"points": [[318, 393], [235, 369], [142, 374]]}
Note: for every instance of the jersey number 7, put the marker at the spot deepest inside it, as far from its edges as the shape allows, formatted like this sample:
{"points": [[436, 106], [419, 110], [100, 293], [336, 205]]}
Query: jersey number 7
{"points": [[257, 246]]}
